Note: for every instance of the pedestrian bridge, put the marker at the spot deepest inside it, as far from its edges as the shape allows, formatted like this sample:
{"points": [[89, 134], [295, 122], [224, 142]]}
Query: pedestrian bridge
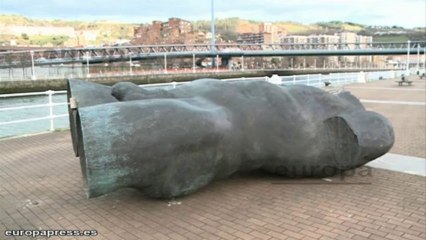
{"points": [[132, 52]]}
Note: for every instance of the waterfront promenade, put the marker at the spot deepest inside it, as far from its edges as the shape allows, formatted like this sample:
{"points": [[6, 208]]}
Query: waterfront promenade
{"points": [[41, 188]]}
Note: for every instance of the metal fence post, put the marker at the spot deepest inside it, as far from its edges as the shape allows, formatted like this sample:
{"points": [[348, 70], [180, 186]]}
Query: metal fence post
{"points": [[294, 79], [50, 95]]}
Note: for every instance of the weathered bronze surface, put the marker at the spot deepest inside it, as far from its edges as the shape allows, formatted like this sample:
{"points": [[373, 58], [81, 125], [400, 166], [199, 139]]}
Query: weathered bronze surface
{"points": [[169, 143]]}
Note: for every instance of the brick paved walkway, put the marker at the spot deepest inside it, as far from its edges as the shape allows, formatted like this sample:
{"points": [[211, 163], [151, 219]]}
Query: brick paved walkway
{"points": [[41, 188]]}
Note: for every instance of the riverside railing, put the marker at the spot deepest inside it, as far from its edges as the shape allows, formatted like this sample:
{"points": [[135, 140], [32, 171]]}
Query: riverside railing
{"points": [[315, 80], [50, 105], [55, 72]]}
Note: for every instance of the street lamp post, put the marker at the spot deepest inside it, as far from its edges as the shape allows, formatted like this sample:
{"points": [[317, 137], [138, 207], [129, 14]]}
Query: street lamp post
{"points": [[213, 32]]}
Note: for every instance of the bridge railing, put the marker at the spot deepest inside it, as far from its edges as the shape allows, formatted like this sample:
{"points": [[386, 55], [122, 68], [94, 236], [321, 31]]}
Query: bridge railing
{"points": [[126, 53], [53, 72], [221, 47], [18, 116]]}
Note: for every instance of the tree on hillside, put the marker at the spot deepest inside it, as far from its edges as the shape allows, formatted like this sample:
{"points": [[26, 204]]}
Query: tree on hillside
{"points": [[25, 36]]}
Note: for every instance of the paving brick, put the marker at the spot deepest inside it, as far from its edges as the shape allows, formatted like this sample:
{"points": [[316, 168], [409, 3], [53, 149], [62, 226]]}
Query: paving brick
{"points": [[225, 235], [411, 237], [260, 235], [277, 235], [243, 235], [374, 231], [310, 234]]}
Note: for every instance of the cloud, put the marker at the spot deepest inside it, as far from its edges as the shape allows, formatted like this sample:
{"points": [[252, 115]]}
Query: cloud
{"points": [[408, 13]]}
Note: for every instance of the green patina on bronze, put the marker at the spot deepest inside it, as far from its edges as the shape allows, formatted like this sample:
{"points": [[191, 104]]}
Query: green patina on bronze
{"points": [[168, 143]]}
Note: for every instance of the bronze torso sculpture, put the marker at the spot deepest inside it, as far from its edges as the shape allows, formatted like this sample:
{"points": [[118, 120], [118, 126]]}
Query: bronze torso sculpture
{"points": [[171, 143]]}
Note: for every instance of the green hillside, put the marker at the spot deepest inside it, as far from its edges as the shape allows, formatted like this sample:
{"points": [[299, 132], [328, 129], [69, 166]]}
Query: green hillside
{"points": [[108, 31], [229, 28]]}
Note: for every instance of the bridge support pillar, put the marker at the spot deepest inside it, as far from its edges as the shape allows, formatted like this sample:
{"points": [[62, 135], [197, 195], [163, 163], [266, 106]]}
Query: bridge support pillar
{"points": [[242, 63], [407, 67], [418, 59], [165, 63], [217, 63], [193, 63], [226, 62], [33, 76]]}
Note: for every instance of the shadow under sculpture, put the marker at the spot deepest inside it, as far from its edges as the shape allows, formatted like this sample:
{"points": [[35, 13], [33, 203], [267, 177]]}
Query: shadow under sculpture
{"points": [[169, 143]]}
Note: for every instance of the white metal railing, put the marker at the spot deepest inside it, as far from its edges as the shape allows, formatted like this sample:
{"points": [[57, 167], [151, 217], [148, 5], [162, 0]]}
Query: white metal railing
{"points": [[315, 80], [62, 72], [50, 104]]}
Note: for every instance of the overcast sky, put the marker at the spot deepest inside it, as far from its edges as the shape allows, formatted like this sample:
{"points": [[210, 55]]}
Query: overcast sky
{"points": [[407, 13]]}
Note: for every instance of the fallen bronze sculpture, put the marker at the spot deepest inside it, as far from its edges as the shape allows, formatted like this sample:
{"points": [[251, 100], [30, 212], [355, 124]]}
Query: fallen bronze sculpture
{"points": [[169, 143]]}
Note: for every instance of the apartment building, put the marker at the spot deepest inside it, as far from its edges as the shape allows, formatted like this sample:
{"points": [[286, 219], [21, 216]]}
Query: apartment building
{"points": [[323, 41], [255, 38], [267, 34], [294, 39], [175, 30], [350, 40], [328, 41]]}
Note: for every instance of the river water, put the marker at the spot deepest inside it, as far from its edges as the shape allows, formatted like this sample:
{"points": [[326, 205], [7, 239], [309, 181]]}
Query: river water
{"points": [[20, 114]]}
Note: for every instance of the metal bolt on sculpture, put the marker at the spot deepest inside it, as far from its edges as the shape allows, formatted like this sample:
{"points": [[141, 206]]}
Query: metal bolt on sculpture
{"points": [[169, 143]]}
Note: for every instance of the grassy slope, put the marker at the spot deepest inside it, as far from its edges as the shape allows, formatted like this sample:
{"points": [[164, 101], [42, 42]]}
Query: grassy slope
{"points": [[107, 31], [391, 38]]}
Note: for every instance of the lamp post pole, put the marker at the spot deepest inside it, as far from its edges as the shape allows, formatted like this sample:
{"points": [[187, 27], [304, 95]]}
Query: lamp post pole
{"points": [[213, 33]]}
